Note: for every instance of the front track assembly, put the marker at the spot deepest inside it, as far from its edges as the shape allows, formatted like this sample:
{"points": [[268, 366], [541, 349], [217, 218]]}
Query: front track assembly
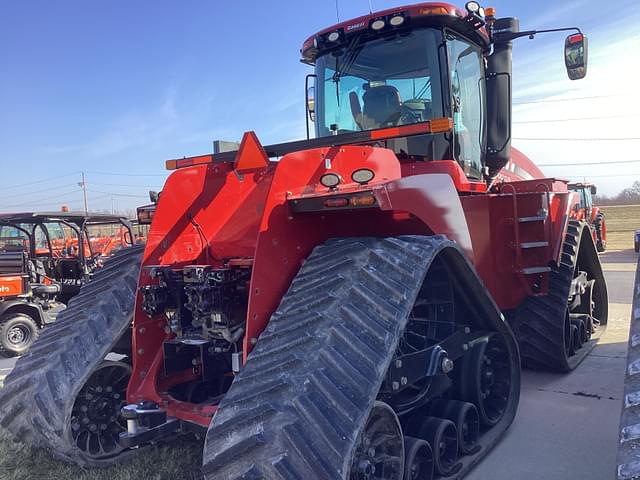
{"points": [[385, 358]]}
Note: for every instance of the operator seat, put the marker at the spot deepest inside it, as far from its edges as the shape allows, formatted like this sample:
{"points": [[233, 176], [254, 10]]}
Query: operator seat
{"points": [[381, 106]]}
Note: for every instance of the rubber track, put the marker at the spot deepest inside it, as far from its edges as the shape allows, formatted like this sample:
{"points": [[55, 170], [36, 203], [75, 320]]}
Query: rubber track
{"points": [[38, 395], [296, 409], [538, 323]]}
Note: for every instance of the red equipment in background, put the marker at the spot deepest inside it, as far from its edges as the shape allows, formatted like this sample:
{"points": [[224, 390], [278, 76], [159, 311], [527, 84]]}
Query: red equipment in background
{"points": [[587, 212]]}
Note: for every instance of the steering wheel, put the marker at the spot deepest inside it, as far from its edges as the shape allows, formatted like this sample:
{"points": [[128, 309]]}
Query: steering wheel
{"points": [[408, 115]]}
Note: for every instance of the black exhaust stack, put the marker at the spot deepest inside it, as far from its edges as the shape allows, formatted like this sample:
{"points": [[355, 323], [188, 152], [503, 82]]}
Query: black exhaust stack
{"points": [[499, 94]]}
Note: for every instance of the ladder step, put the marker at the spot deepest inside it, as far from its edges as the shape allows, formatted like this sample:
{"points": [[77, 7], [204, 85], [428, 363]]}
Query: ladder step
{"points": [[534, 270], [534, 244], [537, 218]]}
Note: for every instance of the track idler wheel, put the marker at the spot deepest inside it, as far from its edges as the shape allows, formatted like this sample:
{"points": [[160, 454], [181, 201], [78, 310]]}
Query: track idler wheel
{"points": [[95, 419], [442, 435], [380, 452], [484, 378], [465, 417], [418, 459]]}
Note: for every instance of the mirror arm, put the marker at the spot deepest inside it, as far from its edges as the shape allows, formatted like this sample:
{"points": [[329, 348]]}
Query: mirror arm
{"points": [[507, 36]]}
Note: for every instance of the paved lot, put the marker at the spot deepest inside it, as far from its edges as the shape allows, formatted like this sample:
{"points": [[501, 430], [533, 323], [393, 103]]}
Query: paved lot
{"points": [[567, 425]]}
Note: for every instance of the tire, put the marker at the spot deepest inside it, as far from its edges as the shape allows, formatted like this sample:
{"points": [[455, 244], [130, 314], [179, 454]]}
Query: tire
{"points": [[18, 331], [601, 232], [38, 397]]}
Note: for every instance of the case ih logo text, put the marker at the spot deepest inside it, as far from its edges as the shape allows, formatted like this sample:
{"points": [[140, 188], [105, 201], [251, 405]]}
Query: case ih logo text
{"points": [[355, 26]]}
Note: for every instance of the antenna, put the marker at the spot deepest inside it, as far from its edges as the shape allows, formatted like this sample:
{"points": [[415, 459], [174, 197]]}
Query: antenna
{"points": [[370, 7], [337, 12]]}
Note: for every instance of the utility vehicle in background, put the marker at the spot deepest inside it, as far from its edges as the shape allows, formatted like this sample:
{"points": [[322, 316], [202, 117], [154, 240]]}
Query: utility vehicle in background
{"points": [[42, 266]]}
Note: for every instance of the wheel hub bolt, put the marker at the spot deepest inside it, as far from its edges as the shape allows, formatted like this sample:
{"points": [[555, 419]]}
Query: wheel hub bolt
{"points": [[83, 408], [447, 365], [395, 385]]}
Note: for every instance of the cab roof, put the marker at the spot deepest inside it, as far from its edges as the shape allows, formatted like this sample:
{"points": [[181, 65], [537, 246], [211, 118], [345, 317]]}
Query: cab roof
{"points": [[427, 13], [77, 218]]}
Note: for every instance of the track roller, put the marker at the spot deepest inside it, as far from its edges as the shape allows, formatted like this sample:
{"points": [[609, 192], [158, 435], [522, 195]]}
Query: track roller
{"points": [[418, 459], [483, 379], [574, 339], [465, 417], [442, 435], [578, 322]]}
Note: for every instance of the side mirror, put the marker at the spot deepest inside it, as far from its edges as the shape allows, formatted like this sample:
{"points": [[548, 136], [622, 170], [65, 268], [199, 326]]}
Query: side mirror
{"points": [[594, 190], [311, 103], [575, 56]]}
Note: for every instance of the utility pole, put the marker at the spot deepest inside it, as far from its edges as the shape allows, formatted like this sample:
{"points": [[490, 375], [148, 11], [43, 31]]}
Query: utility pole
{"points": [[83, 185]]}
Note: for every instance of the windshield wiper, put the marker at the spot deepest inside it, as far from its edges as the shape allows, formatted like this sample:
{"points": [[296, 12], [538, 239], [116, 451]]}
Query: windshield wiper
{"points": [[349, 56]]}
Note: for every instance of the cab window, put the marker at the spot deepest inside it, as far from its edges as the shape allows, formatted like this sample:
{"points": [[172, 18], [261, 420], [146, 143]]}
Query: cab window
{"points": [[468, 103]]}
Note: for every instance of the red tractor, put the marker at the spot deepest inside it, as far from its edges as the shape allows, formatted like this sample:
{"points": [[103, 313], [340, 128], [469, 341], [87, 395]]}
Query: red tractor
{"points": [[353, 310], [585, 211]]}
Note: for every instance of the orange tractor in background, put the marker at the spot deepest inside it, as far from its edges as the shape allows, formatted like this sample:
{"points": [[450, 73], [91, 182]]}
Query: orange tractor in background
{"points": [[589, 213]]}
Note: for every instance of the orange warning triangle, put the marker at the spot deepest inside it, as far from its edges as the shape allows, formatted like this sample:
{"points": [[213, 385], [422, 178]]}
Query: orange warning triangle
{"points": [[251, 155]]}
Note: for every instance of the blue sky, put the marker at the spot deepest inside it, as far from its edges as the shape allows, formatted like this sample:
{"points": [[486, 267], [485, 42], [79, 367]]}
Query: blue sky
{"points": [[118, 87]]}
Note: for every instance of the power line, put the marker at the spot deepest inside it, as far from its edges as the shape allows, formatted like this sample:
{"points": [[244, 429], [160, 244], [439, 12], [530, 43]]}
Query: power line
{"points": [[554, 120], [38, 181], [554, 100], [40, 200], [579, 139], [119, 194], [127, 174], [120, 185], [43, 190], [580, 164], [607, 176]]}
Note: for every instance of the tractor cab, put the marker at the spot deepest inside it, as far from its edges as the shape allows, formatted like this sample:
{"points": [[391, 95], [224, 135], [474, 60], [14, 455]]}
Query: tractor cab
{"points": [[586, 192], [429, 64]]}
